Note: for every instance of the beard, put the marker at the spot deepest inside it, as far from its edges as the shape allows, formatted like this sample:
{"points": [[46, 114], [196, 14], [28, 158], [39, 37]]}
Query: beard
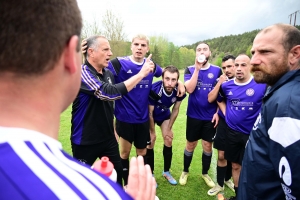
{"points": [[207, 58], [270, 77], [168, 90], [229, 75]]}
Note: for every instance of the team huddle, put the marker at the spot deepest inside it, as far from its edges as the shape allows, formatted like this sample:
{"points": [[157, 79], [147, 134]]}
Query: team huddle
{"points": [[223, 105], [247, 109]]}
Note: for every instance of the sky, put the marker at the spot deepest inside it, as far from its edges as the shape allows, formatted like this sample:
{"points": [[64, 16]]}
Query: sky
{"points": [[185, 22]]}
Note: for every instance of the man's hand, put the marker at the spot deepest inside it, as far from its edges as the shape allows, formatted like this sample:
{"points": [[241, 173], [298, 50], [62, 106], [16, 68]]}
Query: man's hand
{"points": [[141, 184], [147, 67], [83, 46], [199, 65], [152, 139], [222, 78], [181, 89], [215, 119]]}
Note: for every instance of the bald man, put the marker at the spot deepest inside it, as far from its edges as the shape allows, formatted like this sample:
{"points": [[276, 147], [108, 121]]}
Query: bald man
{"points": [[243, 99]]}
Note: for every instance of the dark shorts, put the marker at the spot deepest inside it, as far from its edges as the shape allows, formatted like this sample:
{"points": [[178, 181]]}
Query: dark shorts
{"points": [[199, 129], [89, 153], [134, 133], [159, 123], [220, 137], [235, 145]]}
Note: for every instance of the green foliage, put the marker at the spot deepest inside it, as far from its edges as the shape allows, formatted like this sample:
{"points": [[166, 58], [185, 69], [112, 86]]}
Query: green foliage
{"points": [[156, 55], [232, 44]]}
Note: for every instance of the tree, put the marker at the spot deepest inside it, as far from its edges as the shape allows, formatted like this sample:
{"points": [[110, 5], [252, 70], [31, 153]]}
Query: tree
{"points": [[156, 56], [114, 31], [90, 28], [161, 43], [187, 57]]}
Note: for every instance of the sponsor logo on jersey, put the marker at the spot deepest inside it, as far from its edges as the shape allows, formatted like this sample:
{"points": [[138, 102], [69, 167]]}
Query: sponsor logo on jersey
{"points": [[230, 93], [129, 72], [250, 92], [210, 75], [199, 82], [235, 102]]}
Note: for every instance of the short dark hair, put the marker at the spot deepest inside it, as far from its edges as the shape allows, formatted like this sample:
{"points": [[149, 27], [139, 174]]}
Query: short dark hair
{"points": [[228, 57], [171, 69], [34, 34]]}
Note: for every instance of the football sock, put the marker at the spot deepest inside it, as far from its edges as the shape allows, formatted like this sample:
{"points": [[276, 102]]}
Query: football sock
{"points": [[206, 159], [167, 152], [187, 159]]}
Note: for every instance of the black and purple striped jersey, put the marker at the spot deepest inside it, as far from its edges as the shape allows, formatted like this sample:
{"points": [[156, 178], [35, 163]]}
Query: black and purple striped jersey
{"points": [[92, 110], [133, 107], [34, 166], [243, 103], [198, 105], [164, 102]]}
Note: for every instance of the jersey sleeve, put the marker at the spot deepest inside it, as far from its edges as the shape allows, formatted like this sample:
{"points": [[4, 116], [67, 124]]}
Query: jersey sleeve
{"points": [[187, 74], [91, 84], [221, 95], [111, 68], [181, 98], [157, 70]]}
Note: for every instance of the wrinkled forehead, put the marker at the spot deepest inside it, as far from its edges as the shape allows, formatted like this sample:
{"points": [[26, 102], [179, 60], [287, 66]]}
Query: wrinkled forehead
{"points": [[269, 37]]}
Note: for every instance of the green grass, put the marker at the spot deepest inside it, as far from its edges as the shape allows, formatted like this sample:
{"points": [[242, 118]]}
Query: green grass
{"points": [[195, 187]]}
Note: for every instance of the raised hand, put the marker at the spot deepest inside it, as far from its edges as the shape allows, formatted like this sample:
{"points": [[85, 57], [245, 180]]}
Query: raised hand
{"points": [[141, 184], [147, 67]]}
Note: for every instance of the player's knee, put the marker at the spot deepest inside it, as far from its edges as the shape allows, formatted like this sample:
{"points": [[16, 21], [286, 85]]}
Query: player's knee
{"points": [[168, 140], [124, 154], [221, 157], [190, 146], [207, 146], [236, 166], [141, 152]]}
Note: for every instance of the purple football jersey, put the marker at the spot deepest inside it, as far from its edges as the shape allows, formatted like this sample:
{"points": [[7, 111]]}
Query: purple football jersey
{"points": [[198, 105], [133, 107]]}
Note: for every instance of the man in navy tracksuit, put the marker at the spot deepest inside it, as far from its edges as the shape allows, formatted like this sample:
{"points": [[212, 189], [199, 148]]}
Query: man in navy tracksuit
{"points": [[271, 167]]}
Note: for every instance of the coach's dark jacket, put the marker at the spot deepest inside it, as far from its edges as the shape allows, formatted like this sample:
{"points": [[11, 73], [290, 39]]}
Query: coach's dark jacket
{"points": [[271, 165]]}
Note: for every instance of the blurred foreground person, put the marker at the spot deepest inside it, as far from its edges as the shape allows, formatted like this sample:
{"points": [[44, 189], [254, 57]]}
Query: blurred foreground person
{"points": [[36, 86]]}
